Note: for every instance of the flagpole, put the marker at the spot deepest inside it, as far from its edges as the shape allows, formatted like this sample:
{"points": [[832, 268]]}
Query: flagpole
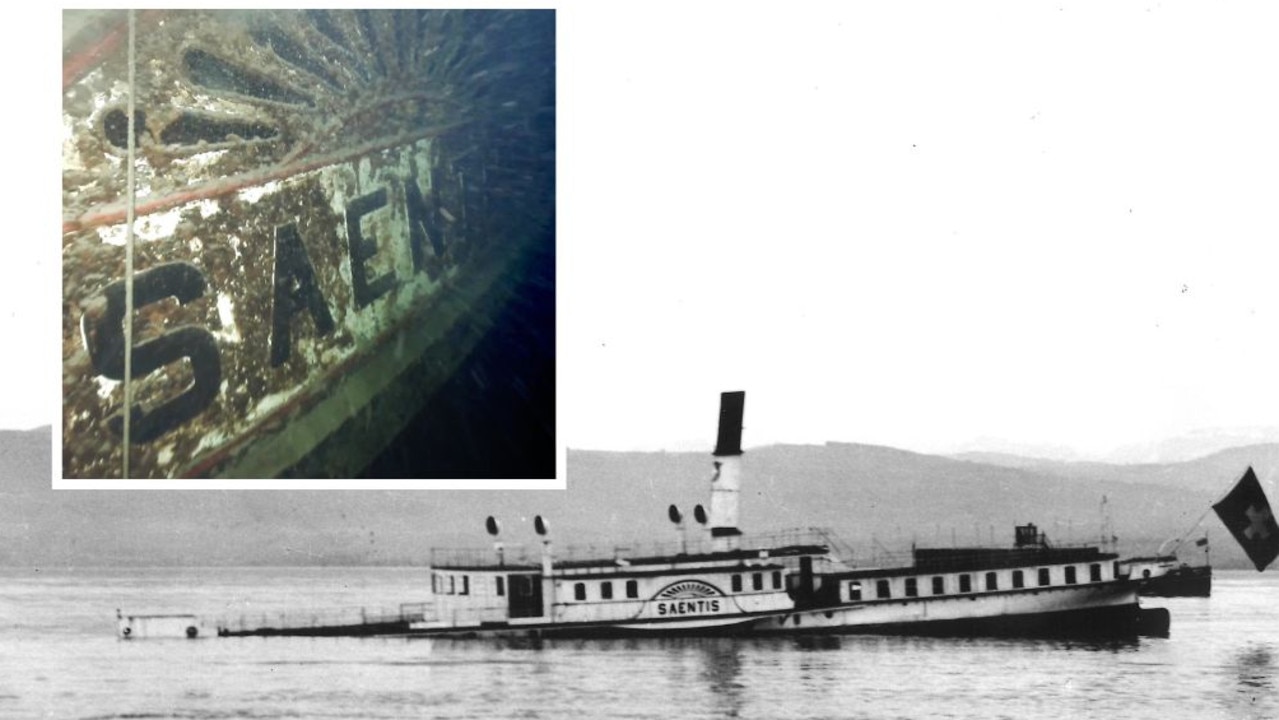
{"points": [[1181, 540], [1246, 513]]}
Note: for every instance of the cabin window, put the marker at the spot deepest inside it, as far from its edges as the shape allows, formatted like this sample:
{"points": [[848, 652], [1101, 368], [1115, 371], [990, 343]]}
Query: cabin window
{"points": [[992, 581], [1114, 569], [1094, 572], [1019, 579], [939, 584], [1070, 575], [854, 590], [501, 586], [579, 591], [435, 584], [882, 590], [965, 583], [606, 590], [632, 589], [757, 581], [452, 584], [737, 583], [777, 579], [1043, 577], [912, 587], [466, 585]]}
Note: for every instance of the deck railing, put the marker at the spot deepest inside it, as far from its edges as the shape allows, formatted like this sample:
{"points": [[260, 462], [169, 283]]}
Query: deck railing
{"points": [[875, 554], [696, 543], [325, 618]]}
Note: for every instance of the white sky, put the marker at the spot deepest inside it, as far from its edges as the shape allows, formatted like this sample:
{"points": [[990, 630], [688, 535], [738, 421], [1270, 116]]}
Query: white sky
{"points": [[917, 224], [30, 275], [912, 224]]}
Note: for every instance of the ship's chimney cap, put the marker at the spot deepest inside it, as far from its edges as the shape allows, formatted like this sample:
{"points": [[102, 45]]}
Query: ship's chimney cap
{"points": [[732, 407]]}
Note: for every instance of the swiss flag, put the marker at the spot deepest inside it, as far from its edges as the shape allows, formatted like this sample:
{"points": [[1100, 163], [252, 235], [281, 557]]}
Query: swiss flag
{"points": [[1247, 516]]}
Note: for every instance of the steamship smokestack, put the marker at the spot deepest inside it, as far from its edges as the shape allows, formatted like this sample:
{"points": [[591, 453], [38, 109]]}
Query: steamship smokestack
{"points": [[726, 483]]}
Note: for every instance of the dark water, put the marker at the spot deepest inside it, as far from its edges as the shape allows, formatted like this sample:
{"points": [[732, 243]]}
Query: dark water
{"points": [[60, 659], [495, 417]]}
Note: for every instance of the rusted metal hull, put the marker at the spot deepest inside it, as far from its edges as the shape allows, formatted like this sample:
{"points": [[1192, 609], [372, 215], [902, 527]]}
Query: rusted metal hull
{"points": [[323, 197]]}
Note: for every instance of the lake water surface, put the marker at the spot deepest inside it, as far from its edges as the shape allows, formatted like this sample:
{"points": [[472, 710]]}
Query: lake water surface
{"points": [[59, 658]]}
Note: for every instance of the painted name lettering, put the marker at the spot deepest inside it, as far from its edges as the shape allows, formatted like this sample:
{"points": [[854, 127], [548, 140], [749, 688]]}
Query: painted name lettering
{"points": [[688, 607], [104, 335], [295, 293]]}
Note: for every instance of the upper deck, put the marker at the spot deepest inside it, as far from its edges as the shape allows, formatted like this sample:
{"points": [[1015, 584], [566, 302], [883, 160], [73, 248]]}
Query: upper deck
{"points": [[638, 556]]}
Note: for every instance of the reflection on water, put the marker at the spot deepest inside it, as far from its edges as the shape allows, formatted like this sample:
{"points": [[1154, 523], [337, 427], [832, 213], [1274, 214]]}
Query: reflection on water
{"points": [[721, 672], [1251, 678], [60, 659], [818, 642], [1255, 668]]}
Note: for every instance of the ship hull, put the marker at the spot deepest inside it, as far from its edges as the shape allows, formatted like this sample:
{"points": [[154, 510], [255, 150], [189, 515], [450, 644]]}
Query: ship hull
{"points": [[1185, 581], [1165, 576], [1102, 610], [316, 242], [353, 630], [735, 626]]}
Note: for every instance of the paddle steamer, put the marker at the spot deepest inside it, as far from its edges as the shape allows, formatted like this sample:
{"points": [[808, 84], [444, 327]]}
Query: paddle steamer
{"points": [[725, 582], [1166, 575]]}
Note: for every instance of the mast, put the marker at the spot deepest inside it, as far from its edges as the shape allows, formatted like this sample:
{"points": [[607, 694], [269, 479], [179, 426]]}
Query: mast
{"points": [[726, 483]]}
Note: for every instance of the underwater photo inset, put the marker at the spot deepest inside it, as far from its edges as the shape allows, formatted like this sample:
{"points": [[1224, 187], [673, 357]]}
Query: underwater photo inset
{"points": [[311, 244]]}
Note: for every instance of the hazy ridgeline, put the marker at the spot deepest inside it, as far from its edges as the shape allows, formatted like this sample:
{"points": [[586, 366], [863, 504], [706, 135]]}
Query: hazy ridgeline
{"points": [[864, 493]]}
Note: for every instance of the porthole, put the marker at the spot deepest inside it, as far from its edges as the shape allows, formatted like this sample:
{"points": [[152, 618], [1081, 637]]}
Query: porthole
{"points": [[115, 125]]}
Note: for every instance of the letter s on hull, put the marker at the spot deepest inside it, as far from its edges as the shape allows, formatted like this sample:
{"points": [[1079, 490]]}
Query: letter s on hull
{"points": [[104, 335]]}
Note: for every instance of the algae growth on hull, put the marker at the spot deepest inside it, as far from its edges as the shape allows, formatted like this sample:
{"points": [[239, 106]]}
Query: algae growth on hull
{"points": [[321, 195]]}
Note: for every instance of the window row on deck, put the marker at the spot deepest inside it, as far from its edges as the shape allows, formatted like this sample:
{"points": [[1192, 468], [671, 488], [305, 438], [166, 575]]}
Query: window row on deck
{"points": [[449, 584], [857, 589], [963, 582], [604, 588], [459, 584]]}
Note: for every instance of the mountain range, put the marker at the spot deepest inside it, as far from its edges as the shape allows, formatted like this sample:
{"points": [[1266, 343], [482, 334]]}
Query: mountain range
{"points": [[1179, 448], [872, 496]]}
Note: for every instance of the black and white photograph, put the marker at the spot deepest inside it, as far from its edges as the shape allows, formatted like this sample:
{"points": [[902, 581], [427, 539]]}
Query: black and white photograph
{"points": [[644, 360]]}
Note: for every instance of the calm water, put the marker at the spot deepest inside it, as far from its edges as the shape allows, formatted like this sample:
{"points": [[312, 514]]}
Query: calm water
{"points": [[59, 658]]}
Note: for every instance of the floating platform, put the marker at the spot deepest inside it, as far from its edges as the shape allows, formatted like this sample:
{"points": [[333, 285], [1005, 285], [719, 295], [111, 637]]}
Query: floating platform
{"points": [[347, 622]]}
